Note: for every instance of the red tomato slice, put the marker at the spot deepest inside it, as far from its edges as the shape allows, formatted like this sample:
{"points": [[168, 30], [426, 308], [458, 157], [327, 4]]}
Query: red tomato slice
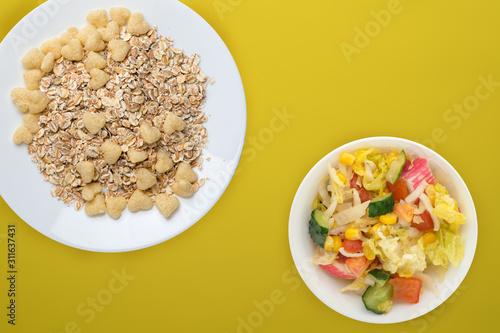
{"points": [[427, 225], [353, 246], [399, 189], [364, 195], [357, 265], [406, 289], [341, 258]]}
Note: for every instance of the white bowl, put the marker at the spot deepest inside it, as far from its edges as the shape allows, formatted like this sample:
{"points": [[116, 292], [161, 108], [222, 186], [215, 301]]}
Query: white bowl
{"points": [[326, 287]]}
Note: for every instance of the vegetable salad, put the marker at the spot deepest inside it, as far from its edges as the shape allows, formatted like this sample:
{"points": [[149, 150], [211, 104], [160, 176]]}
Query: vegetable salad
{"points": [[381, 219]]}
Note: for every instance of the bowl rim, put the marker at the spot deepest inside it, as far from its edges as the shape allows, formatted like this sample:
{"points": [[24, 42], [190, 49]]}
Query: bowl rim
{"points": [[471, 237]]}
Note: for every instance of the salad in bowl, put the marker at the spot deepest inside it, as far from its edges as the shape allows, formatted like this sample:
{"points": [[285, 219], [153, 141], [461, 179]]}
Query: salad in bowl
{"points": [[382, 230], [381, 219]]}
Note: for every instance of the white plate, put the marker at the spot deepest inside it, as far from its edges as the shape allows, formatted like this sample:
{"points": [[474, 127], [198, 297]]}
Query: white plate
{"points": [[24, 189], [326, 287]]}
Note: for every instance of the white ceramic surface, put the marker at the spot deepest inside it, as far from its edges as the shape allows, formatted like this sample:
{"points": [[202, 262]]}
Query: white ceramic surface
{"points": [[326, 287], [23, 188]]}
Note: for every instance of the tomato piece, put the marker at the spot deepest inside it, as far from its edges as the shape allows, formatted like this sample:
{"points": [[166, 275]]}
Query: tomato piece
{"points": [[357, 265], [353, 246], [405, 211], [406, 289], [427, 225], [364, 195], [341, 258], [399, 189], [354, 179]]}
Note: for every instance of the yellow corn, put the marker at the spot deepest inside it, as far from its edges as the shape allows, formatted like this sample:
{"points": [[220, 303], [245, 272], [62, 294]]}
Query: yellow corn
{"points": [[337, 243], [342, 177], [429, 238], [346, 158], [390, 218], [353, 234], [328, 243]]}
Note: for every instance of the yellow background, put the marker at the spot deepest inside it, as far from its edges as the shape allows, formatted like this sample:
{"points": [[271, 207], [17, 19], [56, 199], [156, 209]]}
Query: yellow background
{"points": [[236, 260]]}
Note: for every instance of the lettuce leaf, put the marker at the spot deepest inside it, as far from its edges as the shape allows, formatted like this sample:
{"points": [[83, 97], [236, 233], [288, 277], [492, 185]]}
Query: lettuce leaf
{"points": [[446, 208], [395, 256], [447, 247]]}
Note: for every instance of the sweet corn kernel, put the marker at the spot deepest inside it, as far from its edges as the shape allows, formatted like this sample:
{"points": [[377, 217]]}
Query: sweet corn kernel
{"points": [[328, 243], [353, 234], [346, 158], [337, 243], [390, 218], [342, 177], [429, 238]]}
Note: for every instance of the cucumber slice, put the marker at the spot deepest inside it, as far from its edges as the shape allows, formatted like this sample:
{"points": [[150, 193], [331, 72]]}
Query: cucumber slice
{"points": [[396, 167], [381, 205], [380, 276], [318, 227], [378, 298]]}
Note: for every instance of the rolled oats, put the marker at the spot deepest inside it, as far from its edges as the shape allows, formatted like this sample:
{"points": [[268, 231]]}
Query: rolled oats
{"points": [[152, 85]]}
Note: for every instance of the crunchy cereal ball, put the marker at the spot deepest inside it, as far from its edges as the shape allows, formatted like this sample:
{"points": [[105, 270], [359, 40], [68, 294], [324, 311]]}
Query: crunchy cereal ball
{"points": [[111, 152], [38, 101], [48, 62], [86, 170], [32, 78], [136, 156], [73, 51], [53, 46], [99, 78], [115, 206], [184, 171], [173, 123], [166, 204], [93, 122], [84, 33], [145, 179], [89, 191], [96, 207], [163, 162], [120, 15], [119, 49], [20, 97], [139, 200], [182, 188], [98, 18], [111, 31], [149, 134], [31, 122], [71, 33], [22, 135], [94, 42], [33, 59], [136, 24], [94, 60]]}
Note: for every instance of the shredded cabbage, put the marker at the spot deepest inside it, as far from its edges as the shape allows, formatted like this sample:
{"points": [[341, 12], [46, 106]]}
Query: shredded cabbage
{"points": [[360, 156], [356, 285], [396, 257], [378, 183], [446, 208], [447, 247], [351, 214], [323, 257]]}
